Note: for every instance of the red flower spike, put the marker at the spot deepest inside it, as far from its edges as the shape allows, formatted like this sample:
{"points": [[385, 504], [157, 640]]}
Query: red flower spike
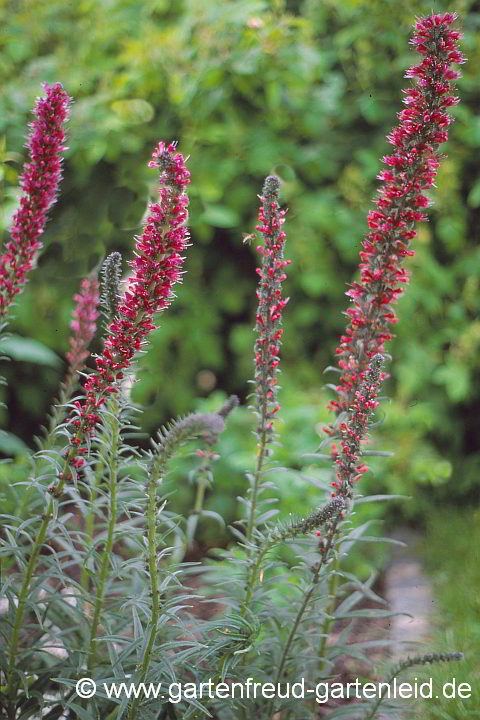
{"points": [[40, 180], [270, 306], [156, 269], [411, 169], [84, 323], [353, 432]]}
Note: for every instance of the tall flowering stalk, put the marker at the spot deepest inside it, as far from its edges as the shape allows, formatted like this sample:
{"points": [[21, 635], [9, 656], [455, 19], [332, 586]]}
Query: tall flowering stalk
{"points": [[84, 323], [411, 170], [268, 325], [353, 431], [156, 269], [84, 326], [40, 180], [206, 425]]}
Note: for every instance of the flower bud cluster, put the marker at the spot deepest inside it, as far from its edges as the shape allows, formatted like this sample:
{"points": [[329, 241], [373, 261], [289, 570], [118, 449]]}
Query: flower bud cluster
{"points": [[209, 425], [318, 518], [324, 517], [401, 201], [40, 180], [111, 273], [270, 306]]}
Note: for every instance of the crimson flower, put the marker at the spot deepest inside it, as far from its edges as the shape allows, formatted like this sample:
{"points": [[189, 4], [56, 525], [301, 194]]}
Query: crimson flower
{"points": [[270, 306], [353, 430], [40, 180], [401, 202], [156, 269]]}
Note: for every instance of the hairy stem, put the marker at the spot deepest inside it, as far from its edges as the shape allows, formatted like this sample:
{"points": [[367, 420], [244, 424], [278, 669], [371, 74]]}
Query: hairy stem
{"points": [[12, 684], [210, 425], [90, 525], [427, 659], [192, 523], [261, 455], [328, 620], [114, 423], [153, 573], [301, 611]]}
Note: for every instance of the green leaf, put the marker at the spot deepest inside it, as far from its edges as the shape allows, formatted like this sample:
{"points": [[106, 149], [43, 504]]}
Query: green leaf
{"points": [[28, 350], [380, 498], [370, 613], [214, 515], [81, 712], [10, 444]]}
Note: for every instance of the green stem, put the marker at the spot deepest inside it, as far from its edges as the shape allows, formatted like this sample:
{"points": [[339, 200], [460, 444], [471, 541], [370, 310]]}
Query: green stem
{"points": [[202, 484], [37, 545], [301, 611], [405, 664], [377, 703], [328, 620], [153, 572], [59, 411], [90, 526], [112, 519], [312, 521], [261, 452], [22, 598], [253, 571], [169, 440], [252, 578]]}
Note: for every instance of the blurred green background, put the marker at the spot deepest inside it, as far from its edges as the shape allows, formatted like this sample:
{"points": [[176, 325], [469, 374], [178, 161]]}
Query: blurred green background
{"points": [[308, 90]]}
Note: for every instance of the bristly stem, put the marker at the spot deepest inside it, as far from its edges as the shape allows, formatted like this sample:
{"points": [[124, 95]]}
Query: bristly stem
{"points": [[399, 206], [20, 610], [90, 523], [203, 476], [153, 574], [329, 541], [268, 327], [112, 421], [40, 181], [261, 453], [280, 534], [210, 425], [328, 619], [404, 665]]}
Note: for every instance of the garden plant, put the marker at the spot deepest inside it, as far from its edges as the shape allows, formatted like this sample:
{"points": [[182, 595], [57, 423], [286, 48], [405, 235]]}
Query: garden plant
{"points": [[97, 586]]}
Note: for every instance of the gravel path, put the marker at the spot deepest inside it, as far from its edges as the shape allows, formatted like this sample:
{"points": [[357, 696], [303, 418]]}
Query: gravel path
{"points": [[408, 590]]}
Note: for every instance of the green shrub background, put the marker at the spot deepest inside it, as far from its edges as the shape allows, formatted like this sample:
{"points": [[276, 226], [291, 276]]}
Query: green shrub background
{"points": [[307, 90]]}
